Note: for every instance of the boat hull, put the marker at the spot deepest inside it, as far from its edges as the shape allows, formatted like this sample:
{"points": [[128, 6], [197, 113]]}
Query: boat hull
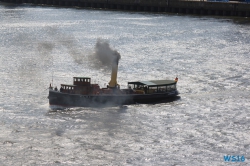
{"points": [[57, 98]]}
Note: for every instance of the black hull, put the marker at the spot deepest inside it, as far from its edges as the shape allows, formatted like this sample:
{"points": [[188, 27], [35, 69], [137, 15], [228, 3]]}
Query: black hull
{"points": [[75, 100]]}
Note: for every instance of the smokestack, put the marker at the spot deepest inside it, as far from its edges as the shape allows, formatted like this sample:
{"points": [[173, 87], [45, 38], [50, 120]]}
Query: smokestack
{"points": [[113, 81], [108, 57]]}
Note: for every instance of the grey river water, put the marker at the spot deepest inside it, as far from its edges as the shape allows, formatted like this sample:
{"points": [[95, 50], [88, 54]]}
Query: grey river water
{"points": [[210, 55]]}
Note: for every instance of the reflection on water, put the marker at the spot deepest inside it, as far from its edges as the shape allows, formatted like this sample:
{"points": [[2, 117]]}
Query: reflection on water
{"points": [[209, 120]]}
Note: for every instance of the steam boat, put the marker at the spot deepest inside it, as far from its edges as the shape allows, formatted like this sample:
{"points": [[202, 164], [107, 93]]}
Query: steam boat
{"points": [[84, 94]]}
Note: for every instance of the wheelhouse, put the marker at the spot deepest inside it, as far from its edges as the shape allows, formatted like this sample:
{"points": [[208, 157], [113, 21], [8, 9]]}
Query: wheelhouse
{"points": [[82, 81]]}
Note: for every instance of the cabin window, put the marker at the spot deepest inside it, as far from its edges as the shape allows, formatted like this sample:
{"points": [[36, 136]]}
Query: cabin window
{"points": [[161, 89], [171, 87], [168, 88]]}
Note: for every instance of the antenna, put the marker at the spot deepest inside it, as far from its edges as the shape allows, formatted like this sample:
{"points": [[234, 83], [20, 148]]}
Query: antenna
{"points": [[52, 77]]}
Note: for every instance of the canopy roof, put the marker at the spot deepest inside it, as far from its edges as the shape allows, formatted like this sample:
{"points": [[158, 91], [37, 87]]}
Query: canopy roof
{"points": [[154, 82]]}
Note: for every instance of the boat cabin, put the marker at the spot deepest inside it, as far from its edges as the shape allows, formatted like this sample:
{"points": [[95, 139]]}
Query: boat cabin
{"points": [[153, 86], [81, 85]]}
